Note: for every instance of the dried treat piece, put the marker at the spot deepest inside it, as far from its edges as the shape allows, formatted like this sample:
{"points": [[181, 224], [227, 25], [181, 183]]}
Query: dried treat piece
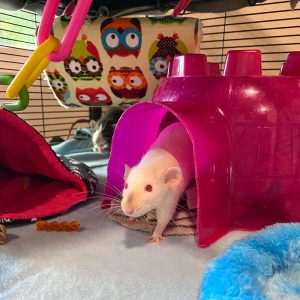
{"points": [[57, 226], [2, 234]]}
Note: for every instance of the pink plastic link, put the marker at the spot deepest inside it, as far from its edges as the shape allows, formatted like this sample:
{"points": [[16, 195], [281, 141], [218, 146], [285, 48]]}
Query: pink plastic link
{"points": [[47, 20], [181, 6], [72, 31], [69, 9]]}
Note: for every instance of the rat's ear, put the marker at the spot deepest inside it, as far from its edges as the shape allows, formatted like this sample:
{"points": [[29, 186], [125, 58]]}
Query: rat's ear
{"points": [[127, 171], [92, 123], [173, 176]]}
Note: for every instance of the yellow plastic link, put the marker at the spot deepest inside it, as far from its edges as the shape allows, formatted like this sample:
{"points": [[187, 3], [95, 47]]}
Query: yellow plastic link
{"points": [[33, 67]]}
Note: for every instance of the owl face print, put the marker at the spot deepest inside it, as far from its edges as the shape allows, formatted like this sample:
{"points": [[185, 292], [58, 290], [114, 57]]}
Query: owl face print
{"points": [[162, 52], [58, 85], [84, 62], [127, 83], [93, 97], [121, 36], [159, 66]]}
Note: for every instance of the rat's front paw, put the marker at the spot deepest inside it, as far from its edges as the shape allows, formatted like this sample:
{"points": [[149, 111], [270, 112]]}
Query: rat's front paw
{"points": [[155, 238]]}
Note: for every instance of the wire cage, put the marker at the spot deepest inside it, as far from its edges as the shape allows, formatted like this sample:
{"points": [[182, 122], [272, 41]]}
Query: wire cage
{"points": [[270, 26]]}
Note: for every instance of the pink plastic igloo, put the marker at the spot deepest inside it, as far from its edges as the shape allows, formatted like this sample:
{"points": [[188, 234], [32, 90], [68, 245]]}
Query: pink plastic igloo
{"points": [[245, 130]]}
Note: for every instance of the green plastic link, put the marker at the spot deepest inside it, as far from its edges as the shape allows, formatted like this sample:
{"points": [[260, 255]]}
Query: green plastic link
{"points": [[23, 95]]}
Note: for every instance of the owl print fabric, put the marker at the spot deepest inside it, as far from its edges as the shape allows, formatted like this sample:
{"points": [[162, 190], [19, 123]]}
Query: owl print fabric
{"points": [[119, 61]]}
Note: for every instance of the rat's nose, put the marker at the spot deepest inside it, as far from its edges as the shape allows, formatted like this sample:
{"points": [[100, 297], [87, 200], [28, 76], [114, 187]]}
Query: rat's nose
{"points": [[129, 211]]}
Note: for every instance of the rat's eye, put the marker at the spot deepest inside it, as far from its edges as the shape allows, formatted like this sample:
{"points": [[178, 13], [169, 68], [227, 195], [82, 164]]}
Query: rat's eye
{"points": [[126, 186], [148, 188]]}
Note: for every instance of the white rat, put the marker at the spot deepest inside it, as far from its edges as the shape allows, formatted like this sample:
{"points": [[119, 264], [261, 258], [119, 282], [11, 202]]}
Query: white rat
{"points": [[159, 179]]}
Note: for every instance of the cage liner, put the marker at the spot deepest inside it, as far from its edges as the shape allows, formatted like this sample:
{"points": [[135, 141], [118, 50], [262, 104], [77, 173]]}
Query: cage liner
{"points": [[33, 181]]}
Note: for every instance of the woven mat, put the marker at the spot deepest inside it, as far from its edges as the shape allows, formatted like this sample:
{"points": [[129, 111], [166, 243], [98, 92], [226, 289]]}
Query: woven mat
{"points": [[183, 222]]}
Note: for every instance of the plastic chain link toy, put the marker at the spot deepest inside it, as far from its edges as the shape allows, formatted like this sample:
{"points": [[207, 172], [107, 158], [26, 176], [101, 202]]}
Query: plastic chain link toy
{"points": [[33, 67], [180, 7], [49, 49], [23, 94], [78, 18]]}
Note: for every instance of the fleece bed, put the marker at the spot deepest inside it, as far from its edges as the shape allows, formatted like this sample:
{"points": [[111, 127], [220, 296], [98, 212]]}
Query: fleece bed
{"points": [[265, 266], [34, 182]]}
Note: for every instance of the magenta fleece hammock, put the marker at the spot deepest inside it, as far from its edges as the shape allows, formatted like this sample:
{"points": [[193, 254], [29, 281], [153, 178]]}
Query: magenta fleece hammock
{"points": [[34, 182]]}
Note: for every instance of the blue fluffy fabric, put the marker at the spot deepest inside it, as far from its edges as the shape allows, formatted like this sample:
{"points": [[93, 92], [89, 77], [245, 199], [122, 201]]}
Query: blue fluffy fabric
{"points": [[261, 267]]}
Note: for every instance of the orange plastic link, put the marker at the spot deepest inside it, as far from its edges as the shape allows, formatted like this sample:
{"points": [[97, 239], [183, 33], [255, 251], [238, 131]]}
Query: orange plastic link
{"points": [[57, 226]]}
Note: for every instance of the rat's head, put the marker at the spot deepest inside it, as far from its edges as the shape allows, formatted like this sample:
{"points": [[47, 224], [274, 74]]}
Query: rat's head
{"points": [[103, 129], [102, 133], [146, 187]]}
